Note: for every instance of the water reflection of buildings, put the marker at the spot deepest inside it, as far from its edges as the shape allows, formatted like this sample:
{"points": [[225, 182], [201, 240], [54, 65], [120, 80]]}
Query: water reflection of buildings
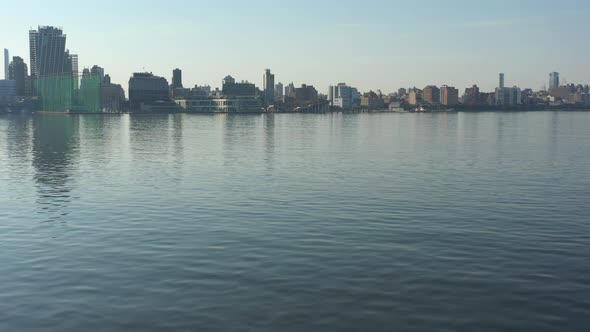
{"points": [[55, 149], [269, 140]]}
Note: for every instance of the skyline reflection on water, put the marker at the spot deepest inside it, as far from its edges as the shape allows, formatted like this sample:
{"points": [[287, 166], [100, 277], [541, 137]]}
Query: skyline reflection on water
{"points": [[335, 222]]}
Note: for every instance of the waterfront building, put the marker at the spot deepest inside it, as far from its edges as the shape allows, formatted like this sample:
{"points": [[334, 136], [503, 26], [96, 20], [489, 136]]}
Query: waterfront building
{"points": [[145, 88], [98, 71], [269, 86], [508, 96], [177, 78], [290, 90], [449, 96], [244, 104], [553, 80], [415, 97], [17, 71], [51, 68], [75, 71], [232, 89], [112, 97], [48, 52], [431, 94], [395, 106], [306, 93], [343, 96], [472, 96], [279, 91], [200, 91], [7, 92], [372, 101], [6, 64]]}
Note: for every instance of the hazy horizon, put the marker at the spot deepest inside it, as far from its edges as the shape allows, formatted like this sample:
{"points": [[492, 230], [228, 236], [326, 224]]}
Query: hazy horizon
{"points": [[380, 45]]}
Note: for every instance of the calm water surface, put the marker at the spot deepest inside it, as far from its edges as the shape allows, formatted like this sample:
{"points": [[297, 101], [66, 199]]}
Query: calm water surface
{"points": [[370, 222]]}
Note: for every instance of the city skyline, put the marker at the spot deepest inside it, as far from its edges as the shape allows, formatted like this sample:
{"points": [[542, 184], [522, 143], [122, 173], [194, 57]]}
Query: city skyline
{"points": [[399, 46]]}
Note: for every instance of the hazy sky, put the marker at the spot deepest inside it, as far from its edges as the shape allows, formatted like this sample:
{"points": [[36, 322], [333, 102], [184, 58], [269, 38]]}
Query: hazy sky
{"points": [[371, 44]]}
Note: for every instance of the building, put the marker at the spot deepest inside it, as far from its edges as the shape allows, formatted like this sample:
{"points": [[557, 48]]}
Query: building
{"points": [[48, 52], [372, 101], [449, 96], [250, 104], [112, 97], [269, 86], [306, 93], [472, 96], [7, 92], [51, 68], [395, 106], [401, 92], [232, 89], [6, 60], [553, 80], [146, 88], [75, 70], [508, 96], [17, 71], [431, 94], [176, 78], [279, 91], [290, 90], [98, 71], [415, 97], [344, 97]]}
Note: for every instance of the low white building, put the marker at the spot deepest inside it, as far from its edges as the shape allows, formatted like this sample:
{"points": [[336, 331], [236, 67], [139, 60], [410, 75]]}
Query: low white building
{"points": [[221, 105]]}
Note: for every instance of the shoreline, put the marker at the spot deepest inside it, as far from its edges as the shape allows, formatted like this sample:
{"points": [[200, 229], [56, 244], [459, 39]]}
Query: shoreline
{"points": [[483, 110]]}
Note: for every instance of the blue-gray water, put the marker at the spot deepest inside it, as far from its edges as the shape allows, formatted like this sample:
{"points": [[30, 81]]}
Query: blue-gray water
{"points": [[360, 222]]}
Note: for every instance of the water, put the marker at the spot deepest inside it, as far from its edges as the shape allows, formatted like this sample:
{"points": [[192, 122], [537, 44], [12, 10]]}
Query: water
{"points": [[360, 222]]}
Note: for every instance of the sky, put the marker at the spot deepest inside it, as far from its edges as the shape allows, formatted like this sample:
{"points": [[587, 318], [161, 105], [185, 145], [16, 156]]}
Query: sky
{"points": [[370, 44]]}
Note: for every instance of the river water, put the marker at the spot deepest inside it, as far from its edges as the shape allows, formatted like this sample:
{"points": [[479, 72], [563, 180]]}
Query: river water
{"points": [[295, 222]]}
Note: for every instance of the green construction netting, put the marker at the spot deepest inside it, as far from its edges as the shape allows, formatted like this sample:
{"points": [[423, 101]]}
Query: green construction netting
{"points": [[59, 93]]}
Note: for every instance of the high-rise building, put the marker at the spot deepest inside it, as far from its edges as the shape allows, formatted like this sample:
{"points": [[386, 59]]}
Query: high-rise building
{"points": [[177, 78], [269, 86], [290, 90], [17, 71], [6, 63], [508, 96], [343, 96], [48, 52], [306, 93], [449, 96], [232, 89], [75, 70], [553, 80], [501, 83], [472, 96], [147, 88], [414, 96], [401, 92], [431, 94], [51, 68], [228, 80], [279, 90], [98, 71]]}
